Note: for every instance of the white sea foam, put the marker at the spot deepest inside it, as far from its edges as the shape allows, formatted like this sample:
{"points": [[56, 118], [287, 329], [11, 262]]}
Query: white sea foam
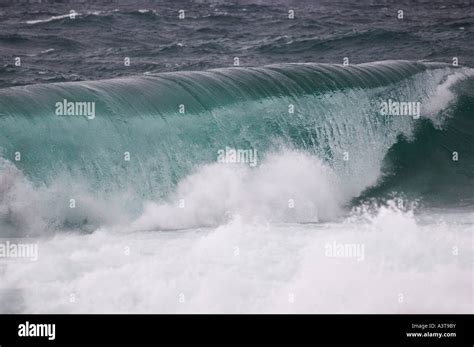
{"points": [[408, 266], [34, 210], [74, 15], [288, 186], [50, 19], [252, 260], [442, 96]]}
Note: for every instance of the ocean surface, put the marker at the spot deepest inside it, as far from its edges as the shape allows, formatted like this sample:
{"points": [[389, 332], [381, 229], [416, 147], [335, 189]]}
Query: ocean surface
{"points": [[322, 201]]}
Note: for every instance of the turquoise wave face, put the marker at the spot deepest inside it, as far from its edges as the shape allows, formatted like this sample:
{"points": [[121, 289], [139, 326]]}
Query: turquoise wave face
{"points": [[145, 134]]}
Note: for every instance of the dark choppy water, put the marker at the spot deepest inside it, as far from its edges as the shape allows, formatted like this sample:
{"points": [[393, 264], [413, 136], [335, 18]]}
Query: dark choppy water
{"points": [[93, 45]]}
